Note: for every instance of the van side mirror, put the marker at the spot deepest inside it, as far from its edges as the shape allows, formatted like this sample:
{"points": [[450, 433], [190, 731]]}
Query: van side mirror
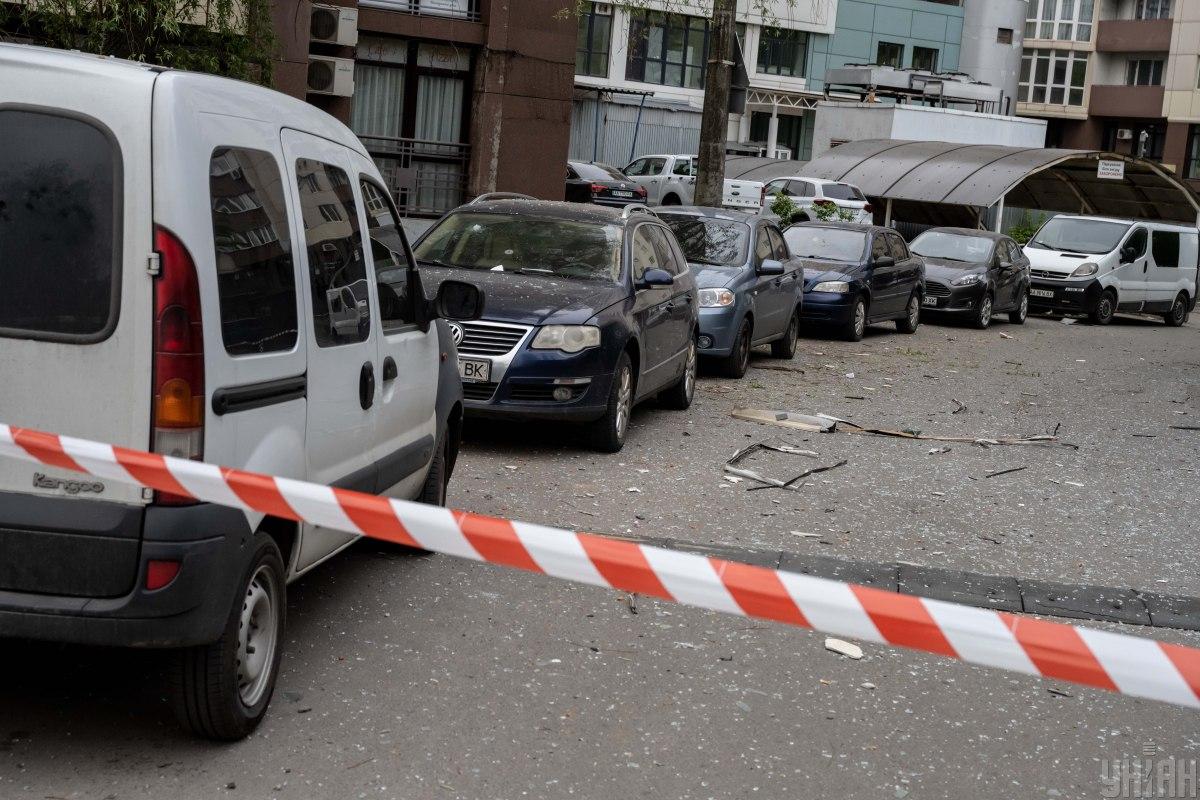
{"points": [[884, 261], [655, 277], [458, 300], [770, 266]]}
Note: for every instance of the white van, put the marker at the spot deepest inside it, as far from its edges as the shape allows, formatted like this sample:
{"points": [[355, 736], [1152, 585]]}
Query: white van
{"points": [[211, 270], [1098, 266]]}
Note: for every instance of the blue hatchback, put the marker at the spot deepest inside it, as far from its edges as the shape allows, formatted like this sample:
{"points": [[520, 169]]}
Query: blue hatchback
{"points": [[751, 287]]}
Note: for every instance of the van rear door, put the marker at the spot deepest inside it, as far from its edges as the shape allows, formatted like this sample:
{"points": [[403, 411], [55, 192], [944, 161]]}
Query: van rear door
{"points": [[75, 239]]}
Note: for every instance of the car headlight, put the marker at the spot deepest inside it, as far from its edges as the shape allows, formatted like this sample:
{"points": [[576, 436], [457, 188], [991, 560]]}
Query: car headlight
{"points": [[838, 287], [967, 280], [715, 298], [1083, 270], [568, 338]]}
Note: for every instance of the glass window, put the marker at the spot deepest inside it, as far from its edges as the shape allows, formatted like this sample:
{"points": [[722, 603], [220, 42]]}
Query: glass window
{"points": [[781, 187], [1144, 72], [1165, 248], [762, 246], [1004, 36], [1063, 20], [667, 49], [682, 166], [782, 52], [256, 280], [842, 191], [1137, 242], [952, 246], [340, 300], [1153, 9], [890, 54], [721, 243], [829, 244], [645, 254], [925, 58], [803, 189], [60, 213], [778, 245], [898, 247], [1076, 235], [1191, 160], [666, 250], [389, 257], [593, 42], [1052, 76], [879, 247]]}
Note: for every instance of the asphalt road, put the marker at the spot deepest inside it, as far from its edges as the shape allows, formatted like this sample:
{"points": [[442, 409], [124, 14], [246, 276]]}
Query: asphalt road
{"points": [[433, 678]]}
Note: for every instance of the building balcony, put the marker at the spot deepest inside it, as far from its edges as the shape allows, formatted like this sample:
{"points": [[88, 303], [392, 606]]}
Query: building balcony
{"points": [[1136, 102], [458, 21], [426, 178], [1133, 36]]}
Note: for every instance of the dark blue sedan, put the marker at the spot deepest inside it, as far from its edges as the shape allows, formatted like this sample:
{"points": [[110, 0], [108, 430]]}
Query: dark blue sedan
{"points": [[856, 275], [751, 288], [589, 311]]}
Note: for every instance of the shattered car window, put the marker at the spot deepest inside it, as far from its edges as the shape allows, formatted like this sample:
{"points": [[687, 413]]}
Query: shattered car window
{"points": [[524, 245], [716, 242], [826, 244], [953, 246]]}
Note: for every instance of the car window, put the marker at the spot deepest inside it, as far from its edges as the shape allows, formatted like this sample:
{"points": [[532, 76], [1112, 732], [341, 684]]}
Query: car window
{"points": [[60, 218], [778, 187], [645, 255], [389, 257], [665, 248], [879, 247], [778, 245], [1012, 253], [827, 244], [596, 172], [1165, 247], [655, 166], [714, 242], [1137, 242], [841, 191], [1078, 235], [802, 189], [571, 173], [338, 276], [682, 166], [636, 168], [897, 246], [256, 280], [762, 246]]}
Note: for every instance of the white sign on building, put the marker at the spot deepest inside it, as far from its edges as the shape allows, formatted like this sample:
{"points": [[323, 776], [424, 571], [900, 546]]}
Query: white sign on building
{"points": [[1110, 170]]}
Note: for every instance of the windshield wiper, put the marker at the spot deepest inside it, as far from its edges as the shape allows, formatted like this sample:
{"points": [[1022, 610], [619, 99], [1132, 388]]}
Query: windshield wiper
{"points": [[435, 263]]}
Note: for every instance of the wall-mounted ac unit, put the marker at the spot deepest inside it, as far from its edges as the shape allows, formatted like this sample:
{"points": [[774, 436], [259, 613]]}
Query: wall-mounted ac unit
{"points": [[333, 25], [1124, 134], [328, 75], [602, 9]]}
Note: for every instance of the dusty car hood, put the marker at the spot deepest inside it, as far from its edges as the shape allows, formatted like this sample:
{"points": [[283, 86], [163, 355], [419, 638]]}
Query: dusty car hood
{"points": [[945, 270], [709, 276], [530, 299], [817, 271]]}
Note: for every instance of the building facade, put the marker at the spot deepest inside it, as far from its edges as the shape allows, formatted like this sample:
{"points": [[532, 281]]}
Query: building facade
{"points": [[1120, 75], [453, 98], [639, 71]]}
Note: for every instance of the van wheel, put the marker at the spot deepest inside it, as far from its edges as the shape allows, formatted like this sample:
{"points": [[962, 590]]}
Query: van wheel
{"points": [[856, 326], [983, 317], [608, 432], [1178, 313], [1103, 313], [737, 362], [434, 491], [912, 316], [785, 348], [221, 691], [1018, 315], [680, 395]]}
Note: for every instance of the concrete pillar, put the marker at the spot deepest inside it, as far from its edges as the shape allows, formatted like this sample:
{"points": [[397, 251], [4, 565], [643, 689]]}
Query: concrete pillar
{"points": [[744, 128], [999, 223], [773, 131]]}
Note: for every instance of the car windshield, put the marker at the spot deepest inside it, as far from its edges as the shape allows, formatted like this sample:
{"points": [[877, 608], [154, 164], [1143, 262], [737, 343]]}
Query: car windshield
{"points": [[721, 243], [525, 245], [841, 191], [1075, 235], [827, 244], [952, 246]]}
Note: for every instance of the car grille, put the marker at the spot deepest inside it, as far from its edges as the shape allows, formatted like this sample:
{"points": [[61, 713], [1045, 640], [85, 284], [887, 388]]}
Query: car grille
{"points": [[479, 391], [1041, 273], [490, 338], [935, 289]]}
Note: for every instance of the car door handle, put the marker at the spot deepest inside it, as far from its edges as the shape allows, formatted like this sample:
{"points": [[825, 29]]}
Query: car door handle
{"points": [[366, 385], [389, 369], [778, 281]]}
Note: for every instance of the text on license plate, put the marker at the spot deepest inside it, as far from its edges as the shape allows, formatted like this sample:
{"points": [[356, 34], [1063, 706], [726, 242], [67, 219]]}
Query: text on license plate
{"points": [[930, 301], [475, 370], [618, 193], [1041, 292]]}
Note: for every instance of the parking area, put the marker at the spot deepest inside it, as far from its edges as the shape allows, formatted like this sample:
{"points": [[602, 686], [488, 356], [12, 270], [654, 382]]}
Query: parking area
{"points": [[428, 677]]}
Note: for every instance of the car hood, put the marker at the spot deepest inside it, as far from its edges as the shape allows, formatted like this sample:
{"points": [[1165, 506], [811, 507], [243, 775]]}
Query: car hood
{"points": [[1057, 262], [710, 276], [817, 271], [946, 270], [530, 299]]}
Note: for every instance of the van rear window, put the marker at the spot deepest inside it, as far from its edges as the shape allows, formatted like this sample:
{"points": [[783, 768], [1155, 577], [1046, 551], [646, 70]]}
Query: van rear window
{"points": [[60, 181], [1165, 247]]}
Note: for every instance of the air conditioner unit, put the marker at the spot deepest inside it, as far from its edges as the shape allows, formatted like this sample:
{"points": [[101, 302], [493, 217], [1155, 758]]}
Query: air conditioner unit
{"points": [[333, 25], [602, 9], [1124, 134], [328, 75]]}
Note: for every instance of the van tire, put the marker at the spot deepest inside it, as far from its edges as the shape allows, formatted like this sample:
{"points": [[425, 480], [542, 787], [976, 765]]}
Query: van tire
{"points": [[1178, 313], [785, 348], [737, 362], [205, 685], [434, 491], [608, 433], [1106, 308]]}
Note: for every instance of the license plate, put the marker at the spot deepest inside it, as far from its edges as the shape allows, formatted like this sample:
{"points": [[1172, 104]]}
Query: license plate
{"points": [[930, 301], [617, 193], [475, 370], [1041, 293]]}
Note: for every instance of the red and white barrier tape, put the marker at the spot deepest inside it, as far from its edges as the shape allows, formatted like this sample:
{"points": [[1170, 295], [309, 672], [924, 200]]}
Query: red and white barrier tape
{"points": [[1119, 663]]}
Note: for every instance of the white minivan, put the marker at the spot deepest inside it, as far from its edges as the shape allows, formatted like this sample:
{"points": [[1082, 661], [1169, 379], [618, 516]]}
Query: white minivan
{"points": [[211, 270], [1098, 266]]}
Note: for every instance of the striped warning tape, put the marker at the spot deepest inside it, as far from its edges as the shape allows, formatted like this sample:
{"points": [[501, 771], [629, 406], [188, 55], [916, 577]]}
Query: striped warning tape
{"points": [[1119, 663]]}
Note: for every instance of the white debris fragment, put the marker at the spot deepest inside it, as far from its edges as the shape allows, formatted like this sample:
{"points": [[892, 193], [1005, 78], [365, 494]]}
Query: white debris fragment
{"points": [[805, 535], [634, 489], [844, 648], [933, 451], [1074, 483], [733, 479], [511, 466], [1004, 335]]}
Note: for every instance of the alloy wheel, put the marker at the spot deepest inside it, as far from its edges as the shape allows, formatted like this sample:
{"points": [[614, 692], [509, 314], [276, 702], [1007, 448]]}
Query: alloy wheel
{"points": [[1023, 309], [689, 375], [624, 401], [860, 319], [985, 311], [258, 636]]}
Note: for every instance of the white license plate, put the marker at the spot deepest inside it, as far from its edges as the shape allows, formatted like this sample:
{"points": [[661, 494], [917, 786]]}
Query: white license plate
{"points": [[1041, 293], [618, 193], [930, 301], [475, 370]]}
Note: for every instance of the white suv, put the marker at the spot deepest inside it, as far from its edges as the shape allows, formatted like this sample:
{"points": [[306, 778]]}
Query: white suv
{"points": [[809, 193], [215, 271], [670, 180]]}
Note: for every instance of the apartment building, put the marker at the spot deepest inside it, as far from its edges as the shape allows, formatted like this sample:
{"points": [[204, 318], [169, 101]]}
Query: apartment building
{"points": [[1120, 75]]}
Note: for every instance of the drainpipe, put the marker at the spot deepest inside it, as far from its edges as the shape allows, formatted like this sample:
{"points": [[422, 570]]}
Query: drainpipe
{"points": [[596, 130], [636, 126]]}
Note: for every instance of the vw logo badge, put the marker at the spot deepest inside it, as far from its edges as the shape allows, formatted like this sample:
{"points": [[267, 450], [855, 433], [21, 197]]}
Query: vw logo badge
{"points": [[456, 333]]}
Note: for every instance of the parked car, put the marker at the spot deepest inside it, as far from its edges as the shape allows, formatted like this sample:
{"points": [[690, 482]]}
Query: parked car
{"points": [[857, 275], [1098, 266], [751, 288], [670, 180], [589, 182], [590, 311], [222, 305], [809, 194], [973, 274]]}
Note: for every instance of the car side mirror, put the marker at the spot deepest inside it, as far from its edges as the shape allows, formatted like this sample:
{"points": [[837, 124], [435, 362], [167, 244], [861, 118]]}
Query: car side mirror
{"points": [[884, 261], [656, 277], [458, 300], [1006, 265], [770, 266]]}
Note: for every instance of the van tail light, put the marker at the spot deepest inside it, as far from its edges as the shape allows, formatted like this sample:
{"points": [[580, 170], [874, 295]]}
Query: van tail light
{"points": [[178, 383]]}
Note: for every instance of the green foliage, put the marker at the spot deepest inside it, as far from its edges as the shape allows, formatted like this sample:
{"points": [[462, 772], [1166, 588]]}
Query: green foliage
{"points": [[828, 212], [234, 38], [783, 207], [1025, 228]]}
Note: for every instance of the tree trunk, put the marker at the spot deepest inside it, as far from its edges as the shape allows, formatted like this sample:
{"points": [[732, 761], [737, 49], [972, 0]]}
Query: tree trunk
{"points": [[714, 124]]}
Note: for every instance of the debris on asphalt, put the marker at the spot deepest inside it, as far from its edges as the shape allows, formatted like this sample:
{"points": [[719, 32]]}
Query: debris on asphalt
{"points": [[934, 451], [776, 368], [785, 419], [804, 535], [961, 405], [1059, 692], [1184, 427], [843, 648], [1068, 320], [792, 483], [634, 490], [1004, 335], [731, 467], [1004, 472], [733, 479], [631, 603]]}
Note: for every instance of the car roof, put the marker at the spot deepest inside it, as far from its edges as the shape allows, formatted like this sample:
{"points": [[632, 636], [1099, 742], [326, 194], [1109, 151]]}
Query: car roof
{"points": [[818, 181], [557, 209], [1165, 223], [710, 212], [846, 226], [970, 232]]}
